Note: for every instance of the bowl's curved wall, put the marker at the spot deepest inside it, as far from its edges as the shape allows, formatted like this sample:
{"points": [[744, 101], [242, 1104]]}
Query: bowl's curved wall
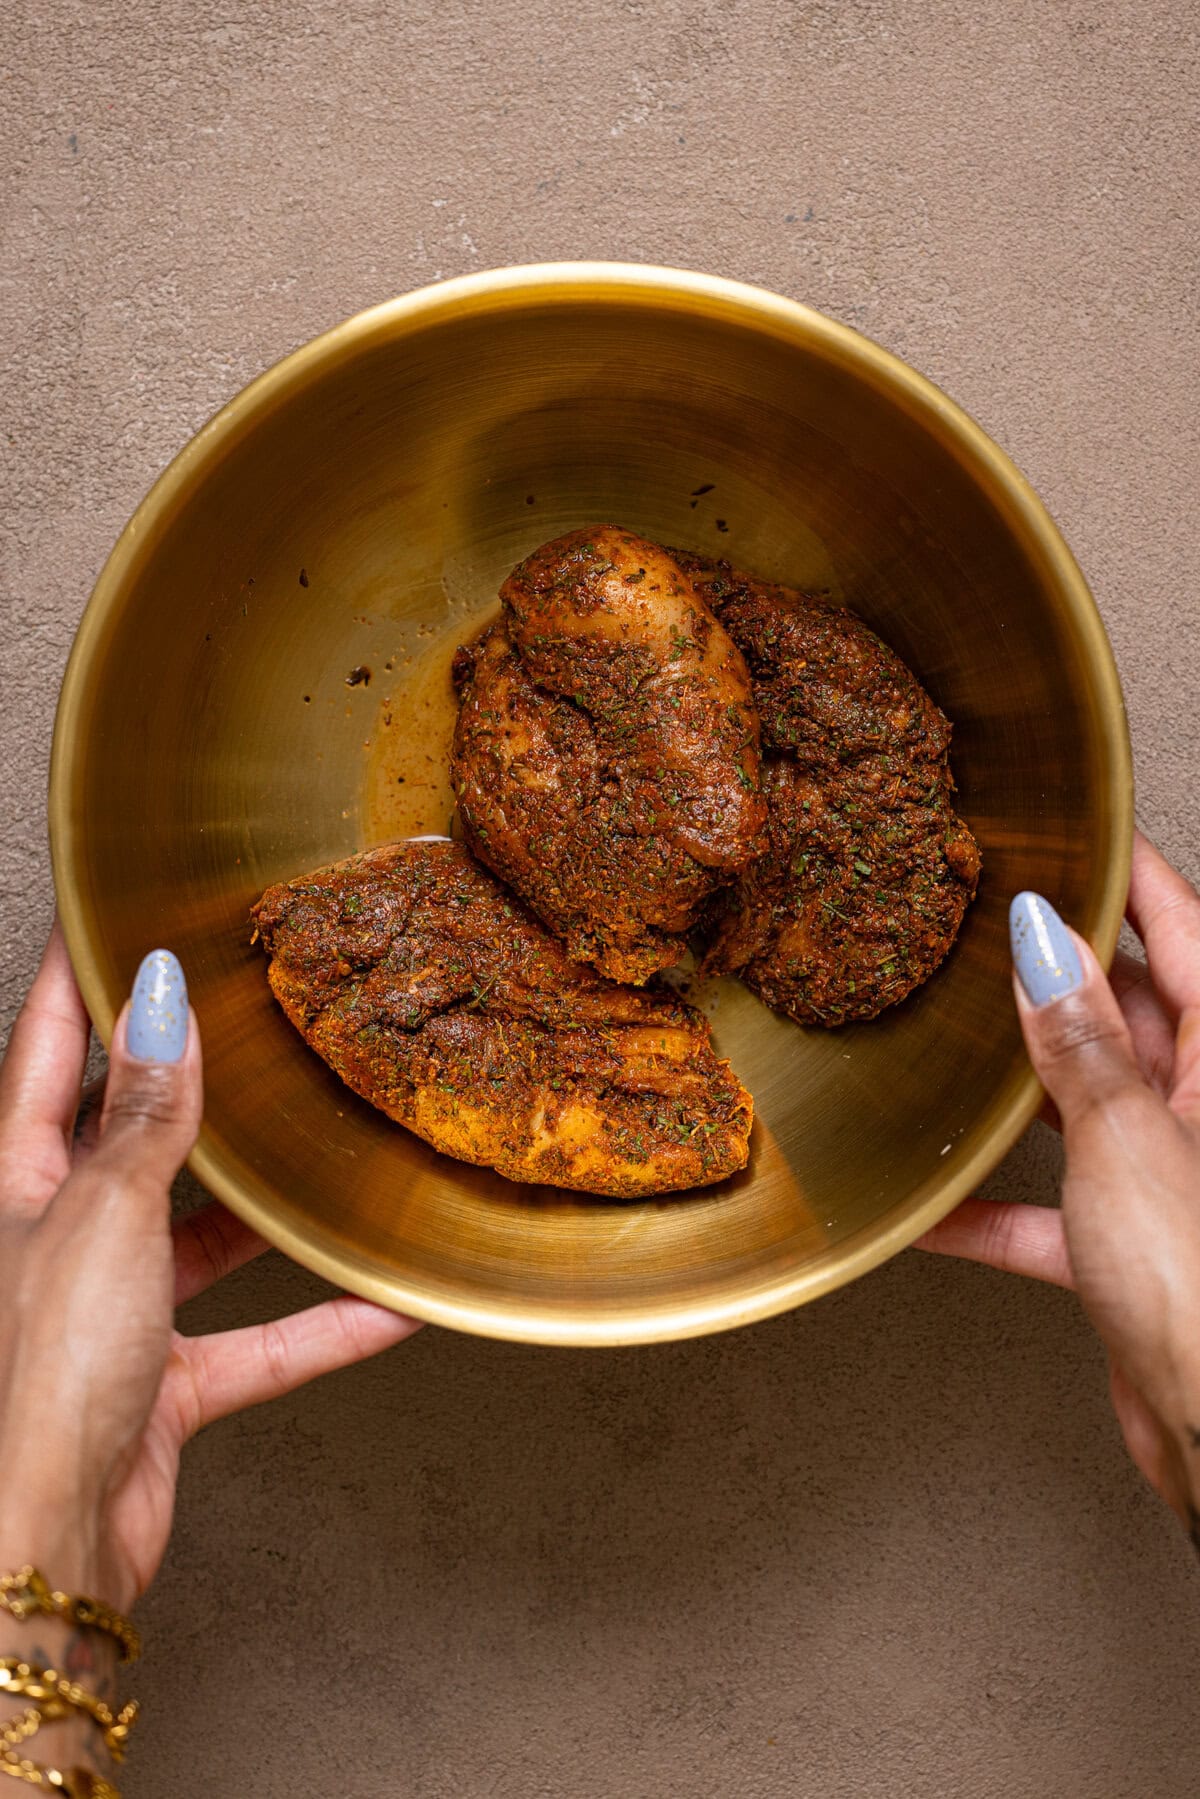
{"points": [[208, 744]]}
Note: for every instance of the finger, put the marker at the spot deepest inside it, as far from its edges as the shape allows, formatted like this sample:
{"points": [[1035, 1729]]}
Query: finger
{"points": [[1017, 1238], [153, 1100], [1164, 910], [239, 1368], [86, 1134], [1150, 1025], [209, 1244], [1077, 1039], [1185, 1091], [39, 1083]]}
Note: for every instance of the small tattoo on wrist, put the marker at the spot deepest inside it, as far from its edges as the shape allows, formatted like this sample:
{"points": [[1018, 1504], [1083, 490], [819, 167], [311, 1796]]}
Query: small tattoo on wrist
{"points": [[92, 1666]]}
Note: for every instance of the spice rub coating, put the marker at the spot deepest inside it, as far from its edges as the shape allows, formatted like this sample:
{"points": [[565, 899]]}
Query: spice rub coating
{"points": [[870, 869], [858, 899], [439, 998], [827, 689], [606, 754]]}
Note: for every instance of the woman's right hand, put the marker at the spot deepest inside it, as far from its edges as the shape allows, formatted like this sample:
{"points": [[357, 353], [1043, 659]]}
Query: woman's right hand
{"points": [[1121, 1064], [98, 1391]]}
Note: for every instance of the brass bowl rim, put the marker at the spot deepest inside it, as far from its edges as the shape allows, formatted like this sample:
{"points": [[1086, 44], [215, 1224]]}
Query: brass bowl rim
{"points": [[521, 1320]]}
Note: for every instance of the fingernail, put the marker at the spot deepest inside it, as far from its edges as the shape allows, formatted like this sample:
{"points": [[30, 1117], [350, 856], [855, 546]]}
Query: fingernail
{"points": [[158, 1010], [1043, 953]]}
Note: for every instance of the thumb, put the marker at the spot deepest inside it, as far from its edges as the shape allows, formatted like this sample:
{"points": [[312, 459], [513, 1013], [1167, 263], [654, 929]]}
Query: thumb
{"points": [[154, 1096], [1077, 1038]]}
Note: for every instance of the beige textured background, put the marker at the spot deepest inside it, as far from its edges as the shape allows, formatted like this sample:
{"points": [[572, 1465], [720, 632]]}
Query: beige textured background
{"points": [[886, 1546]]}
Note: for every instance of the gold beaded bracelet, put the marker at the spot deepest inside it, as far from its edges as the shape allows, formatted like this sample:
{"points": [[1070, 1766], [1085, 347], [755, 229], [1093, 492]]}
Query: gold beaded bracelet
{"points": [[19, 1730], [27, 1592], [47, 1688], [78, 1783]]}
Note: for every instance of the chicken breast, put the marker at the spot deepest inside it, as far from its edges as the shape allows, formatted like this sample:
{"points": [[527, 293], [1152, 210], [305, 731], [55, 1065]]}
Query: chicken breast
{"points": [[827, 689], [606, 754], [439, 998], [858, 899], [870, 869]]}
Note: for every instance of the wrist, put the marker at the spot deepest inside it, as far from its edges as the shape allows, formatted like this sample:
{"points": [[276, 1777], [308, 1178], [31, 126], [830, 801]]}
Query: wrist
{"points": [[65, 1549], [50, 1507], [48, 1521]]}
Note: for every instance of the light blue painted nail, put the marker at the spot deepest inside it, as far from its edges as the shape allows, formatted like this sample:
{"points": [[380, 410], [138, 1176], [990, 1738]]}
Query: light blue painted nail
{"points": [[1043, 953], [158, 1010]]}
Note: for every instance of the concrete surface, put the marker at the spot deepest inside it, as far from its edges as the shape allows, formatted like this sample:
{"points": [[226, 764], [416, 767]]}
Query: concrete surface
{"points": [[887, 1546]]}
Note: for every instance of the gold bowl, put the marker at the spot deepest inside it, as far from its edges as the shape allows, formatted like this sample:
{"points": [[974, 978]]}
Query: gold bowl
{"points": [[260, 685]]}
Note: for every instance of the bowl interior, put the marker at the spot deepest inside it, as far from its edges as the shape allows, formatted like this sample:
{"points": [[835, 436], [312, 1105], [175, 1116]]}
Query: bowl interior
{"points": [[355, 510]]}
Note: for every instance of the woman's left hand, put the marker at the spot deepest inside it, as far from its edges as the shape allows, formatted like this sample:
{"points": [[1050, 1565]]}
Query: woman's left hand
{"points": [[1120, 1060], [1021, 1237], [98, 1391]]}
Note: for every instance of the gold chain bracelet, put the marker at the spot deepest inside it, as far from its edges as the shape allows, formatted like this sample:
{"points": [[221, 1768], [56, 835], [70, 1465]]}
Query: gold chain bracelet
{"points": [[54, 1695], [19, 1730], [27, 1592], [47, 1688], [79, 1783]]}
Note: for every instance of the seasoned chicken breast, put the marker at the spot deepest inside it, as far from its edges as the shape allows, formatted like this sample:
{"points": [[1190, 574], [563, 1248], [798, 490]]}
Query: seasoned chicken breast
{"points": [[439, 998], [858, 899], [870, 869], [606, 755]]}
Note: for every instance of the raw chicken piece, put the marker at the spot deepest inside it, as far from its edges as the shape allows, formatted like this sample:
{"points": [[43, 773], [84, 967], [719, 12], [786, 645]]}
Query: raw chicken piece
{"points": [[870, 869], [606, 755], [435, 994]]}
